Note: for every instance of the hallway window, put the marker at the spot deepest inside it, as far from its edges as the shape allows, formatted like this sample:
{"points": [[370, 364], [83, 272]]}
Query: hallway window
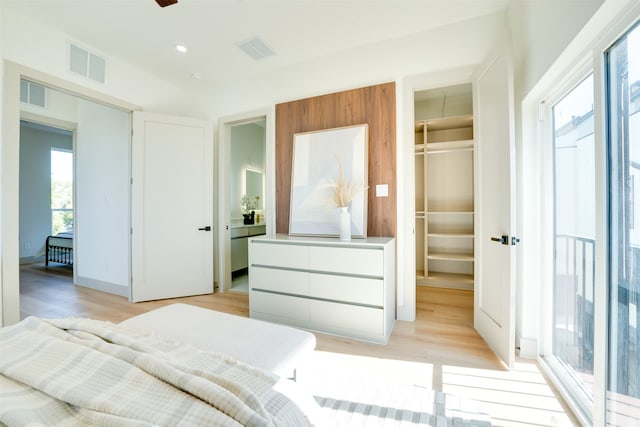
{"points": [[623, 379], [61, 190], [574, 223]]}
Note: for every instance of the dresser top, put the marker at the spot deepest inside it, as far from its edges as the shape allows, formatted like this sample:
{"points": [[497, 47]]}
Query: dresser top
{"points": [[329, 241]]}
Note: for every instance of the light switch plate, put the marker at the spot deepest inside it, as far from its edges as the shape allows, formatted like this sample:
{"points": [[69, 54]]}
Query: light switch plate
{"points": [[382, 190]]}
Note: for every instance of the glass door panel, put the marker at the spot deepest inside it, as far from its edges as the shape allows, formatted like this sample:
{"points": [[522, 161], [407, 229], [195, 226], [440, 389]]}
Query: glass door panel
{"points": [[574, 223], [623, 381]]}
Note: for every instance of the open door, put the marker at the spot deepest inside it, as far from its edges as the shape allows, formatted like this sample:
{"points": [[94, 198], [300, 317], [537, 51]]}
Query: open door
{"points": [[172, 207], [494, 297]]}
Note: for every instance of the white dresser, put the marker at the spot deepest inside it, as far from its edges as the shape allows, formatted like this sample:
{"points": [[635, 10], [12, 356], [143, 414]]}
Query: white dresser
{"points": [[338, 287]]}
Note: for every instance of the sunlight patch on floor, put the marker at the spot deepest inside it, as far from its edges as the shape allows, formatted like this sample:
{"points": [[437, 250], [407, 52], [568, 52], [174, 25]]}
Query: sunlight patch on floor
{"points": [[519, 397]]}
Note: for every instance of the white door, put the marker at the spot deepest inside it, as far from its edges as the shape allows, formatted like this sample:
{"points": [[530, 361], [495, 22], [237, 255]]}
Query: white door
{"points": [[494, 297], [172, 207]]}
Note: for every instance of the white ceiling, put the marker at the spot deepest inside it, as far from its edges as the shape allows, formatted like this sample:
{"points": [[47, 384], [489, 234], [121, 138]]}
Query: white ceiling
{"points": [[143, 34]]}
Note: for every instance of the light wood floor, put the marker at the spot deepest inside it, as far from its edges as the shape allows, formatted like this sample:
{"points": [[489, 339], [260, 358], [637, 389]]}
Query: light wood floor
{"points": [[441, 341]]}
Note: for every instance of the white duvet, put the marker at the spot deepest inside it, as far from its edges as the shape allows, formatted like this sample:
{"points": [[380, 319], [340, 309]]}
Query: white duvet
{"points": [[87, 372]]}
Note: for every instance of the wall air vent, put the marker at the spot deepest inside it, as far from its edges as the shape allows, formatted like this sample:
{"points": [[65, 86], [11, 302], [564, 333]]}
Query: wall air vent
{"points": [[33, 93], [256, 48], [87, 64]]}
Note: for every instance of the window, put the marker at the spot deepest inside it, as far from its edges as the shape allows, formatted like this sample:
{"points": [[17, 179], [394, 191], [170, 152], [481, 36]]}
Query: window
{"points": [[623, 376], [61, 190], [32, 93], [575, 234]]}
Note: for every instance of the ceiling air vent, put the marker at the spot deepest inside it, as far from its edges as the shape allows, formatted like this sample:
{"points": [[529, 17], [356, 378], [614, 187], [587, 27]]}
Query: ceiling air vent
{"points": [[87, 64], [256, 48]]}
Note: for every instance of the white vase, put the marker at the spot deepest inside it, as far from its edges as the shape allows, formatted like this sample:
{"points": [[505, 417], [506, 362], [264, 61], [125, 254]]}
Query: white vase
{"points": [[345, 223]]}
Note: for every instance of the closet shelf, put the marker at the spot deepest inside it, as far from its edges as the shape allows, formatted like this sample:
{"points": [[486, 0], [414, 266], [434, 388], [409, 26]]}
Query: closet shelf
{"points": [[449, 146], [452, 235], [449, 256], [454, 122], [450, 213]]}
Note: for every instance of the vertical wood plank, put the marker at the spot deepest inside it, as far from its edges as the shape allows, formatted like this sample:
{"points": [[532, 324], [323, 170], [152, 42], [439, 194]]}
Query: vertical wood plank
{"points": [[373, 105]]}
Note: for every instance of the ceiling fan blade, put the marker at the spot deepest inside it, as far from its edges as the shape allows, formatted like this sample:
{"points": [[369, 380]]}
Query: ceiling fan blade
{"points": [[164, 3]]}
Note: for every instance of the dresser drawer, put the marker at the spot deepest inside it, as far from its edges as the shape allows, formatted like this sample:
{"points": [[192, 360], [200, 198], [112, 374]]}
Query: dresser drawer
{"points": [[352, 320], [367, 262], [350, 289], [279, 255], [279, 308], [286, 281]]}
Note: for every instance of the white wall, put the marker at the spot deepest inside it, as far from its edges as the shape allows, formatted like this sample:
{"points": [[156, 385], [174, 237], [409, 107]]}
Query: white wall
{"points": [[102, 206], [541, 32], [38, 46], [35, 184]]}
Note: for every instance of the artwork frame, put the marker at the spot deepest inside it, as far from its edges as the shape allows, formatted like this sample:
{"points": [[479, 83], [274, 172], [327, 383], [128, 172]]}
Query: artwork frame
{"points": [[318, 157]]}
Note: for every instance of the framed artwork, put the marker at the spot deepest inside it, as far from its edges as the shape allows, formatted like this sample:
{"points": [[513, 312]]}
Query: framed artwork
{"points": [[323, 161]]}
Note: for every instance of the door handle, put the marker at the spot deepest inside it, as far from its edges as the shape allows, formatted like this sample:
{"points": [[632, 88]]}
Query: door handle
{"points": [[205, 228], [504, 239]]}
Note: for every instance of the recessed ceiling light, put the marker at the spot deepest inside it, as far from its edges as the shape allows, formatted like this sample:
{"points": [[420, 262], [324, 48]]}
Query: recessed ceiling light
{"points": [[180, 48], [197, 76]]}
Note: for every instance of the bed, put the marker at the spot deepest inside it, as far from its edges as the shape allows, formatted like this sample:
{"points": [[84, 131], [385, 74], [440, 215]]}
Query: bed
{"points": [[174, 366], [59, 248], [90, 372]]}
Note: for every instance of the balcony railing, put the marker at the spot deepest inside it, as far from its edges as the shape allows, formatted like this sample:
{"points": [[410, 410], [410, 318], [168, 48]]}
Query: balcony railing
{"points": [[573, 302]]}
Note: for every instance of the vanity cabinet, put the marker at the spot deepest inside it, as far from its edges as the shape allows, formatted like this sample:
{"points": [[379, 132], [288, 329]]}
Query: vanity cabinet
{"points": [[239, 248], [344, 288]]}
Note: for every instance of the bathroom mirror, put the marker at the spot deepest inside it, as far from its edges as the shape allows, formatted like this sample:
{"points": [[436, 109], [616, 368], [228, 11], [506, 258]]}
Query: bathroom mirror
{"points": [[253, 186]]}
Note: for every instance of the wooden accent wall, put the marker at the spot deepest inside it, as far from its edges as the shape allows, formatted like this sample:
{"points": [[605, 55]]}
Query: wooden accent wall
{"points": [[374, 105]]}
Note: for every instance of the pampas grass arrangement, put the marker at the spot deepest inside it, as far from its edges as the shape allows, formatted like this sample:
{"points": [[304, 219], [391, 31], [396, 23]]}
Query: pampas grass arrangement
{"points": [[344, 191]]}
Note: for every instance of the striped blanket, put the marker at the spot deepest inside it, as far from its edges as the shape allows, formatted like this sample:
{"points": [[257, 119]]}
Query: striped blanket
{"points": [[88, 372]]}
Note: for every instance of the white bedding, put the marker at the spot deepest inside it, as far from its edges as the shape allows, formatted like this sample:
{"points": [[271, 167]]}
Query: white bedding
{"points": [[86, 372]]}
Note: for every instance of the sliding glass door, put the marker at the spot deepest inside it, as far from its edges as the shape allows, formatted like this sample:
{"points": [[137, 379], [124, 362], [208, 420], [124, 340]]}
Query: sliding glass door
{"points": [[574, 245], [623, 376]]}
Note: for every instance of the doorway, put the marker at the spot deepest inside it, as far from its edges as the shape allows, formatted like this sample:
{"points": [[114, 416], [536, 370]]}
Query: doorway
{"points": [[246, 194], [93, 140], [245, 184], [46, 188], [444, 174]]}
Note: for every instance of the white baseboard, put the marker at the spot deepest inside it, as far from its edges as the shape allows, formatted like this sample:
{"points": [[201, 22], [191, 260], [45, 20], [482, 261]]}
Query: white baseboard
{"points": [[99, 285]]}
